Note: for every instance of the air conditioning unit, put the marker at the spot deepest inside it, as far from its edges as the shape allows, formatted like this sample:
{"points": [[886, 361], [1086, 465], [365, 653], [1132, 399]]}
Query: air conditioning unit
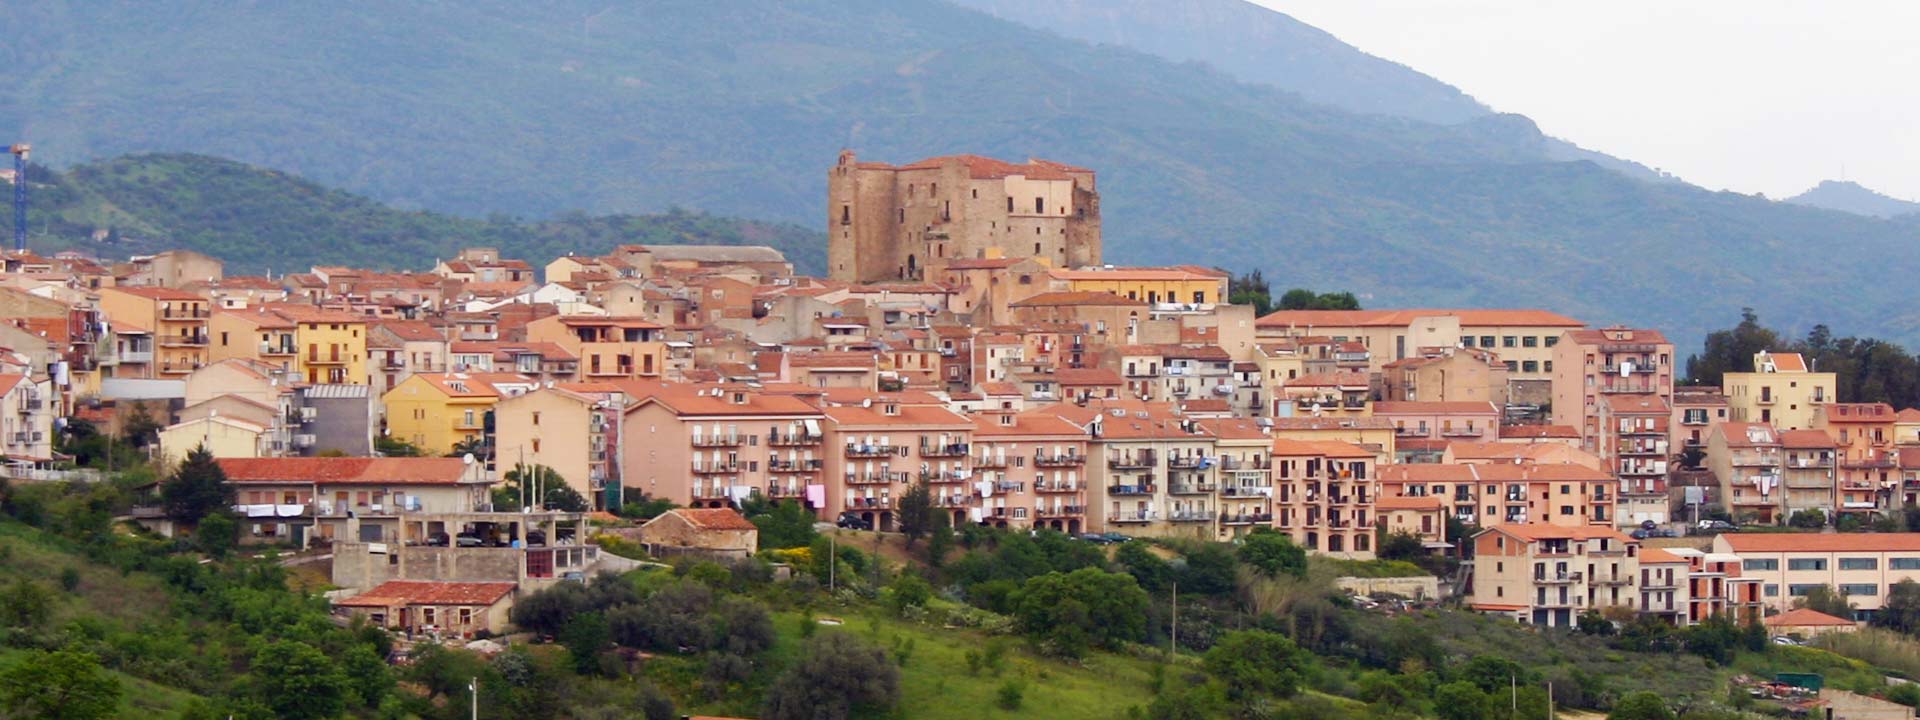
{"points": [[303, 441], [308, 414]]}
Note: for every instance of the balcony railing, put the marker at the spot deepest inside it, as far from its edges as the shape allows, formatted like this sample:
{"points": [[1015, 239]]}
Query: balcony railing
{"points": [[942, 476], [870, 451], [990, 461], [879, 477], [1062, 511], [866, 503], [786, 491], [1133, 516], [716, 441], [715, 468], [1066, 460], [1186, 462], [1192, 488], [794, 465], [1190, 516], [1247, 519], [792, 439], [1245, 491], [949, 450], [1135, 462], [268, 348], [1130, 489]]}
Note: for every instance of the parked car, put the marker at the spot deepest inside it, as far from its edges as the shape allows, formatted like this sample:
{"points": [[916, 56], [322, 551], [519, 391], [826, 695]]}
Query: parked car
{"points": [[1640, 534], [438, 539], [1114, 537], [853, 521], [1717, 526], [1095, 538], [468, 541]]}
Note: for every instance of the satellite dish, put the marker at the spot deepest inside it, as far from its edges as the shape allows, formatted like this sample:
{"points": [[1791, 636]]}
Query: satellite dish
{"points": [[866, 402], [468, 459]]}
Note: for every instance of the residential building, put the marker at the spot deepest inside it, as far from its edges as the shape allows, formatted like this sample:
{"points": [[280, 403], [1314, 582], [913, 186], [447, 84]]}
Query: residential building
{"points": [[1594, 366], [159, 333], [1632, 439], [1324, 496], [26, 417], [1031, 472], [719, 533], [1781, 391], [1863, 566], [447, 609], [875, 450], [1447, 374], [307, 501], [906, 222], [1747, 459], [317, 344], [1807, 473], [1471, 421], [1153, 473], [1524, 339], [441, 411], [716, 446], [1184, 284], [1695, 411], [1244, 449], [572, 429], [1864, 436], [1489, 495], [1548, 575], [608, 348]]}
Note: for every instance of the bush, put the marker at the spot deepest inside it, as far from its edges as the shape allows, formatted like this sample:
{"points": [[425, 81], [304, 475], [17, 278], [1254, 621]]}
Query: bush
{"points": [[1641, 706], [838, 676], [1808, 519], [1010, 694], [1071, 611], [1254, 663], [908, 590], [1273, 554]]}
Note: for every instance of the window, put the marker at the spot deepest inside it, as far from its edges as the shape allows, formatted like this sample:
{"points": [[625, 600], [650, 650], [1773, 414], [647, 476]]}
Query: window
{"points": [[1530, 341], [1513, 366], [1859, 563], [1906, 563], [1039, 205], [1530, 366], [1807, 564], [1860, 589], [1771, 590], [1759, 565], [1509, 341], [1466, 341], [1486, 341], [1553, 340], [1801, 589], [1549, 366]]}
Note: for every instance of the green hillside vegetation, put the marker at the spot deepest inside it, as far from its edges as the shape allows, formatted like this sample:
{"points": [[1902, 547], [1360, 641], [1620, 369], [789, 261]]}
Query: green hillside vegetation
{"points": [[738, 108], [259, 219]]}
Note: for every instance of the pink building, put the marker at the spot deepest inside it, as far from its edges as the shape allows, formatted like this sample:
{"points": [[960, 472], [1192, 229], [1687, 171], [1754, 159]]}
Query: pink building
{"points": [[1447, 421]]}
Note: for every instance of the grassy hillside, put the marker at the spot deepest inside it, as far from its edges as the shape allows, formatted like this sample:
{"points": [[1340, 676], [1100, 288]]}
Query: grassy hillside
{"points": [[738, 108], [256, 219]]}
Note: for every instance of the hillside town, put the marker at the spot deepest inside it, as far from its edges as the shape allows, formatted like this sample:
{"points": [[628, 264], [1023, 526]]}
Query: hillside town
{"points": [[972, 338]]}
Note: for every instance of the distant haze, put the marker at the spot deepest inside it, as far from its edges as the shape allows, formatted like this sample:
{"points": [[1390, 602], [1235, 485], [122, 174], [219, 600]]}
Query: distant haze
{"points": [[1744, 95]]}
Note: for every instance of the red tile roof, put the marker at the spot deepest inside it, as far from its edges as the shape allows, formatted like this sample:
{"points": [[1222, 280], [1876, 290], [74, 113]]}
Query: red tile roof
{"points": [[986, 168], [1051, 299], [1539, 432], [713, 518], [1404, 407], [1822, 542], [1806, 617], [1399, 318], [345, 471], [1548, 531], [394, 593]]}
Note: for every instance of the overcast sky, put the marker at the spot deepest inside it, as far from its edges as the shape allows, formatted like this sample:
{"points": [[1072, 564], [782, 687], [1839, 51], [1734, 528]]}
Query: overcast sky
{"points": [[1747, 95]]}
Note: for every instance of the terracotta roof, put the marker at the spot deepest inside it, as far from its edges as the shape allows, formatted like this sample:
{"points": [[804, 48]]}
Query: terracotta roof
{"points": [[1822, 542], [1026, 425], [1808, 440], [1080, 377], [1332, 423], [1539, 432], [1805, 617], [1606, 336], [1633, 403], [1907, 416], [386, 471], [1788, 362], [1173, 274], [713, 518], [8, 381], [1654, 555], [1403, 407], [1233, 429], [1078, 298], [1858, 412], [1399, 318], [154, 293], [1496, 473], [1548, 531], [1741, 434], [1299, 448], [1398, 502], [393, 593], [863, 360]]}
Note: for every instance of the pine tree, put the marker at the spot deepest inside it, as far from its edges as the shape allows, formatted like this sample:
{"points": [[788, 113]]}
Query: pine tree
{"points": [[197, 488]]}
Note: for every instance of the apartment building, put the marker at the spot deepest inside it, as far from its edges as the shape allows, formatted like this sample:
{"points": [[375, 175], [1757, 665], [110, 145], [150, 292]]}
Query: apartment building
{"points": [[26, 417], [1747, 458], [1781, 391], [906, 222], [1335, 394], [1469, 421], [1666, 586], [1595, 366], [1447, 374], [1030, 472], [1489, 495], [1524, 339], [876, 449], [1548, 575], [1717, 585], [1184, 284], [316, 344], [159, 333], [1154, 471], [608, 348], [440, 411], [1807, 473], [1324, 496], [716, 446], [1244, 450], [1632, 439], [1424, 517], [1695, 411], [573, 429], [319, 500], [1863, 566], [1864, 436]]}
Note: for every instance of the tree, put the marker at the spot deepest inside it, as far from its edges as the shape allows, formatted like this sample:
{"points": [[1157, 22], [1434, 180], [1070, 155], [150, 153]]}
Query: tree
{"points": [[837, 677], [1461, 701], [1592, 622], [366, 673], [62, 684], [217, 534], [197, 488], [1808, 519], [1089, 606], [1273, 554], [541, 483], [1152, 573], [740, 626], [782, 524], [1256, 663], [1641, 705], [546, 612], [390, 446], [140, 429], [586, 636], [1251, 289], [909, 590], [1731, 350], [1304, 299], [1824, 598], [939, 541], [1401, 545], [297, 681], [916, 511], [25, 605], [1208, 570], [1901, 609]]}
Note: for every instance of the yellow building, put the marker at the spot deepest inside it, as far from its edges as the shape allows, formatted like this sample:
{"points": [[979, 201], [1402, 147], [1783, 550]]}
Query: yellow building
{"points": [[609, 348], [437, 411], [314, 344], [1178, 284], [160, 333], [224, 437], [1781, 391]]}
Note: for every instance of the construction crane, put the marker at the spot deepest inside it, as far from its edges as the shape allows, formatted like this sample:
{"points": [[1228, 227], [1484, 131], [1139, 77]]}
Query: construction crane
{"points": [[20, 151]]}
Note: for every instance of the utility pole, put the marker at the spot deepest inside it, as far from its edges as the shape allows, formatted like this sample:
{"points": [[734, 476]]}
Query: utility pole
{"points": [[833, 559], [1173, 646], [1513, 683], [473, 686]]}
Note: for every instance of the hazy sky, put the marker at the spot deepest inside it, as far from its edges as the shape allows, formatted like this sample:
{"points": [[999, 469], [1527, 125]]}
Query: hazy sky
{"points": [[1746, 95]]}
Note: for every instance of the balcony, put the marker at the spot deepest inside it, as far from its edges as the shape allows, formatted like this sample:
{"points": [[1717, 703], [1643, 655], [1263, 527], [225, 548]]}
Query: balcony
{"points": [[1130, 489], [267, 348], [1629, 368], [1625, 389], [184, 314], [716, 441], [1186, 462], [1247, 491], [1054, 461], [990, 462], [942, 476], [1247, 519], [881, 477], [1409, 432], [1190, 516], [870, 451], [1192, 488], [132, 357], [187, 340], [1063, 511], [786, 491], [1460, 432], [951, 450], [715, 468], [1055, 487], [866, 503], [793, 466], [182, 366], [1136, 462], [715, 491], [792, 439], [1133, 516], [1564, 578], [1229, 462], [1611, 580], [952, 501]]}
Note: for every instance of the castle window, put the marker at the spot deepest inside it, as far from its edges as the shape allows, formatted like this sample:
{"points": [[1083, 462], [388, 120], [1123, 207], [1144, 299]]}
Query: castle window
{"points": [[846, 214], [1036, 248], [1040, 206], [1009, 203], [903, 214], [976, 193]]}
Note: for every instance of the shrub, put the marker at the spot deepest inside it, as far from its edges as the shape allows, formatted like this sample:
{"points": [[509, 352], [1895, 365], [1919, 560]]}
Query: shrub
{"points": [[838, 676], [1011, 693]]}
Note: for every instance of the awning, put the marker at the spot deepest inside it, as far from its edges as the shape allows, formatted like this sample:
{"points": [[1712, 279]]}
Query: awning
{"points": [[813, 426]]}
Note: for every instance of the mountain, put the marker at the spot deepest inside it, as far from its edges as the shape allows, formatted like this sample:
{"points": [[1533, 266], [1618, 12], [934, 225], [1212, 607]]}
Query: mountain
{"points": [[258, 220], [1855, 198], [1253, 44], [738, 108]]}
